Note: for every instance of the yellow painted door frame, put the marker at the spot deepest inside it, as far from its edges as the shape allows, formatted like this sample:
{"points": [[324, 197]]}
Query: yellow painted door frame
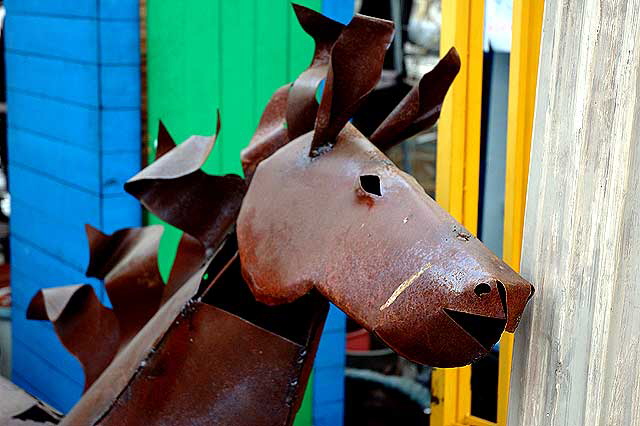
{"points": [[458, 172], [458, 168]]}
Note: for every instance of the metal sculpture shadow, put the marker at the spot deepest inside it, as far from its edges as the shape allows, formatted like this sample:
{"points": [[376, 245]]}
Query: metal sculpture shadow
{"points": [[322, 215]]}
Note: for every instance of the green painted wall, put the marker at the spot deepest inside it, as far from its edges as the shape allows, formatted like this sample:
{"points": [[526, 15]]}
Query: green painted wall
{"points": [[232, 55]]}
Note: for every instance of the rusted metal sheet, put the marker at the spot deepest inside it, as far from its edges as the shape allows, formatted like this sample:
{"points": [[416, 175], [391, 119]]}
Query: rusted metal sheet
{"points": [[175, 189], [247, 363], [84, 326], [420, 108], [365, 234], [100, 397], [354, 70], [292, 110], [242, 374], [127, 261]]}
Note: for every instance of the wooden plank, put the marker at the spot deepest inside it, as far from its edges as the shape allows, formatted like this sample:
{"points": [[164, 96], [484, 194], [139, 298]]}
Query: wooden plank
{"points": [[112, 10], [50, 156], [523, 72], [123, 49], [183, 83], [74, 132], [183, 64], [53, 78], [117, 168], [336, 320], [63, 38], [339, 10], [458, 157], [330, 415], [120, 211], [328, 386], [331, 353], [120, 130], [57, 119], [44, 269], [576, 357], [65, 242], [71, 8], [272, 43], [43, 343], [54, 198], [120, 86]]}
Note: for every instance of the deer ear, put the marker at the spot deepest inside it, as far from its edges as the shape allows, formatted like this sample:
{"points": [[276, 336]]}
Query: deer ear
{"points": [[420, 109], [354, 70]]}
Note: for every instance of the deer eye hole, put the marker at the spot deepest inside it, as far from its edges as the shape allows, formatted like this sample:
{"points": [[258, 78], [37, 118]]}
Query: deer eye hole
{"points": [[371, 185], [482, 289]]}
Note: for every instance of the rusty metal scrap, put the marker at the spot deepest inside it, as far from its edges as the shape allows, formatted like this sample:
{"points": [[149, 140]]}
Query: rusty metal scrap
{"points": [[292, 109], [420, 108], [175, 189], [354, 70], [244, 362], [323, 216], [127, 261], [85, 327]]}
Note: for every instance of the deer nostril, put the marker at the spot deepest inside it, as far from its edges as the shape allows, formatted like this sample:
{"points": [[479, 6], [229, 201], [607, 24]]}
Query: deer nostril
{"points": [[482, 288]]}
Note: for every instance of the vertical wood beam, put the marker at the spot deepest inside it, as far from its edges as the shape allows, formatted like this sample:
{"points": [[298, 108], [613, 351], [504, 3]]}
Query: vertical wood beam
{"points": [[576, 357]]}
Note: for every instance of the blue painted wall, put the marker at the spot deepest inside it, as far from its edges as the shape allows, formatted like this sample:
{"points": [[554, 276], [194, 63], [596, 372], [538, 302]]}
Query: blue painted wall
{"points": [[73, 101]]}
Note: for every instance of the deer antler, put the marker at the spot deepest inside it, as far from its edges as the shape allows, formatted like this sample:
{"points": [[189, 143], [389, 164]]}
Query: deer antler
{"points": [[291, 111], [354, 70], [420, 108]]}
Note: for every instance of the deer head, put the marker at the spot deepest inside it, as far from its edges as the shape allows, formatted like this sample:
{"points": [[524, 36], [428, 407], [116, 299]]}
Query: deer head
{"points": [[329, 211]]}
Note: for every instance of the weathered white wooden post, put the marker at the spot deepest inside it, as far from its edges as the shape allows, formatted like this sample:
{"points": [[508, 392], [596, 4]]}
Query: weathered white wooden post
{"points": [[577, 351]]}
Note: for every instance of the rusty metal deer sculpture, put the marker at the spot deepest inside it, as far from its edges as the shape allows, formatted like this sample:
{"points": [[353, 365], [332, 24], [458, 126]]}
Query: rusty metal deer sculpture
{"points": [[323, 215]]}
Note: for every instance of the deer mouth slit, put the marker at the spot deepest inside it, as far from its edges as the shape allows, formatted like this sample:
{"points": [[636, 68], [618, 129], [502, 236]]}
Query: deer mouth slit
{"points": [[485, 330]]}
